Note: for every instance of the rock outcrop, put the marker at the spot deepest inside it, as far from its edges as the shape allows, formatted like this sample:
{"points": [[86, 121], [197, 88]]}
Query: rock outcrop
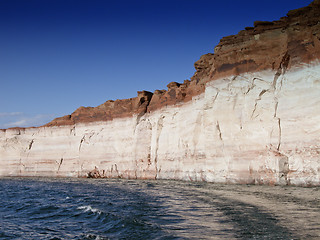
{"points": [[249, 114]]}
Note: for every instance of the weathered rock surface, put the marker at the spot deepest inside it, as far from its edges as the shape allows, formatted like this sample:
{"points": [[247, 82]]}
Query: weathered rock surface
{"points": [[250, 114]]}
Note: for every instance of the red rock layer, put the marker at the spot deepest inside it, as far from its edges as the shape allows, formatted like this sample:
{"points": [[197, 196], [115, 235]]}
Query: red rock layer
{"points": [[107, 111], [292, 40]]}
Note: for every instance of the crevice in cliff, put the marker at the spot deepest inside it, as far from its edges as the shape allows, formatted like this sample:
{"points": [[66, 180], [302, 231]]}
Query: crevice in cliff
{"points": [[215, 97], [209, 104], [275, 79], [253, 85], [139, 116], [281, 69], [230, 83], [144, 102], [73, 131], [81, 141], [30, 144], [279, 138], [254, 109], [87, 137], [275, 109], [138, 121], [250, 88], [219, 130], [60, 163], [256, 102]]}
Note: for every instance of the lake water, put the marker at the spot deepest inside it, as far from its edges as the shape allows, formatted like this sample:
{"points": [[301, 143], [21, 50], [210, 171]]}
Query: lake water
{"points": [[39, 208]]}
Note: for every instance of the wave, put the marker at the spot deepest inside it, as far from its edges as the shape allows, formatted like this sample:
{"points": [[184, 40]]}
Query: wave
{"points": [[88, 208]]}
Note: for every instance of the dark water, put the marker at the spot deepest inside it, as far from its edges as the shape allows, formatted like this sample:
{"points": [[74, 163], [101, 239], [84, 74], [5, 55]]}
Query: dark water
{"points": [[130, 209]]}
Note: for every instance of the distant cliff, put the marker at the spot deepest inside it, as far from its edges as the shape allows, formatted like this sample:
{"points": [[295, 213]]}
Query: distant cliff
{"points": [[250, 114]]}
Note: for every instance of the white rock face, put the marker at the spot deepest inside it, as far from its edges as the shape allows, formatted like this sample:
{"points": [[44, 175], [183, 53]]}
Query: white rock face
{"points": [[254, 128]]}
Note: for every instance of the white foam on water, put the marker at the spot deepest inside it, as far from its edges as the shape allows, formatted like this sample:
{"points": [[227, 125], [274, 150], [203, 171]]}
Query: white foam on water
{"points": [[95, 237], [89, 209]]}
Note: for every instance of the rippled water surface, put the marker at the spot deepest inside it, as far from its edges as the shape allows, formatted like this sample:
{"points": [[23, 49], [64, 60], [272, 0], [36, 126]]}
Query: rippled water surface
{"points": [[133, 209]]}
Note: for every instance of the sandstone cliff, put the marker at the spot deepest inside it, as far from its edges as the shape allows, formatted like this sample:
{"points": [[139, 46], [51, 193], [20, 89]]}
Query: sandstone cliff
{"points": [[250, 114]]}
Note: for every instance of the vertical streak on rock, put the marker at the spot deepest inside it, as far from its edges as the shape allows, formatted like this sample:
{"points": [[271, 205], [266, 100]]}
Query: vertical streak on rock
{"points": [[73, 131], [250, 87], [20, 165], [215, 97], [116, 169], [219, 130], [275, 109], [257, 100], [136, 169], [254, 109], [81, 141], [80, 164], [230, 83], [283, 169], [142, 149], [30, 144], [159, 130], [197, 131], [138, 119], [275, 79], [211, 101], [279, 141], [282, 69], [61, 160], [28, 152], [235, 101]]}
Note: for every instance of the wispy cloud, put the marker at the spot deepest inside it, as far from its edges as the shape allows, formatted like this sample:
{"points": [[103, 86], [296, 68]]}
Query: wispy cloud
{"points": [[18, 119], [10, 114]]}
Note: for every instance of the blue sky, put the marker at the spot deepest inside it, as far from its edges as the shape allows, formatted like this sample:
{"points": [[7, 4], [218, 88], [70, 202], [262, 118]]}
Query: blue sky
{"points": [[58, 55]]}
